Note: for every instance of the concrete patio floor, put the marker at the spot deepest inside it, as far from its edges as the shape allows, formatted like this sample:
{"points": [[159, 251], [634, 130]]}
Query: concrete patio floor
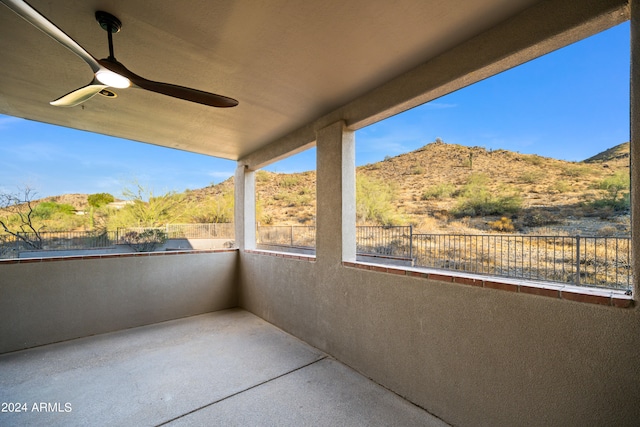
{"points": [[224, 368]]}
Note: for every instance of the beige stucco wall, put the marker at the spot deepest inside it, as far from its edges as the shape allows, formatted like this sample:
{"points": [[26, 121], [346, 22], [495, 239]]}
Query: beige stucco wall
{"points": [[471, 356], [51, 301]]}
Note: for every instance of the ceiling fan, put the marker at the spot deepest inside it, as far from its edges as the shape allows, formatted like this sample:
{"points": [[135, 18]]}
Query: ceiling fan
{"points": [[108, 72]]}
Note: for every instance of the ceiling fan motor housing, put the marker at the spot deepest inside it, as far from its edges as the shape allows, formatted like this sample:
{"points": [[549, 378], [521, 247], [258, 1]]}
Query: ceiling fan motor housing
{"points": [[108, 22]]}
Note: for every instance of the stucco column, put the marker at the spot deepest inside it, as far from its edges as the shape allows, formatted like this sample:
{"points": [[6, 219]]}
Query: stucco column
{"points": [[635, 144], [245, 207], [336, 194]]}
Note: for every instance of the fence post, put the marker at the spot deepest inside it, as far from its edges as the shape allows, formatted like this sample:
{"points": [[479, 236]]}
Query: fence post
{"points": [[577, 279], [291, 235], [411, 243]]}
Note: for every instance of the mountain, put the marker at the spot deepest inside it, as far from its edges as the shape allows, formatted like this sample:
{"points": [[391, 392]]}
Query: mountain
{"points": [[619, 152], [428, 185], [428, 188]]}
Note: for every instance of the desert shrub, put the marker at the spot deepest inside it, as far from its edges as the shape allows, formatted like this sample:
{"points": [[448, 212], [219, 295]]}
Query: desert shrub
{"points": [[218, 208], [440, 191], [100, 199], [145, 241], [617, 205], [607, 231], [147, 210], [573, 170], [533, 159], [49, 210], [288, 181], [539, 218], [262, 176], [487, 204], [294, 200], [559, 186], [374, 201], [305, 190], [616, 184], [531, 177], [478, 200], [503, 224], [476, 181], [617, 198], [416, 170]]}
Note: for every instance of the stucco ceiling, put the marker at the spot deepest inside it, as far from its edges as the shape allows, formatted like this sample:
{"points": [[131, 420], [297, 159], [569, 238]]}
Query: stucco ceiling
{"points": [[287, 62]]}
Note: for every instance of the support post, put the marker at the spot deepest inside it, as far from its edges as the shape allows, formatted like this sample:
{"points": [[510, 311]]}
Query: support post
{"points": [[336, 193], [245, 208]]}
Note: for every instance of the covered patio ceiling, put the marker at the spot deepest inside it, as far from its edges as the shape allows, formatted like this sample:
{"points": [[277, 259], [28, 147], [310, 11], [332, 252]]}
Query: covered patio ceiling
{"points": [[287, 62]]}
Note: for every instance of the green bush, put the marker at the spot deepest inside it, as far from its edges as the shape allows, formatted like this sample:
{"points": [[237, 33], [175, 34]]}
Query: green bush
{"points": [[145, 241], [217, 209], [617, 205], [49, 210], [618, 197], [439, 192], [615, 184], [478, 200], [100, 199], [374, 201]]}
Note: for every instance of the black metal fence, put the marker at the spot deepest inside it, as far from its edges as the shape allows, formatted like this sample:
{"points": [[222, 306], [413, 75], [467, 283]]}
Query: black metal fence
{"points": [[222, 230], [10, 245], [386, 241], [56, 240], [287, 235], [584, 261]]}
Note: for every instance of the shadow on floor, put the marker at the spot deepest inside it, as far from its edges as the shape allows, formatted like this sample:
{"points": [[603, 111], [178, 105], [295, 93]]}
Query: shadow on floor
{"points": [[223, 368]]}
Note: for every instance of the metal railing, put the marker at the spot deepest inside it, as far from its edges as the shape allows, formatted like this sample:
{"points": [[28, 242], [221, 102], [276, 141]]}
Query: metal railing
{"points": [[395, 241], [224, 230], [11, 246], [57, 240], [287, 235], [583, 261]]}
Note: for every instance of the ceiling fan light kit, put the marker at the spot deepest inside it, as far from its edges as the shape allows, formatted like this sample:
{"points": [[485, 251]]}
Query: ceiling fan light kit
{"points": [[112, 79], [108, 72]]}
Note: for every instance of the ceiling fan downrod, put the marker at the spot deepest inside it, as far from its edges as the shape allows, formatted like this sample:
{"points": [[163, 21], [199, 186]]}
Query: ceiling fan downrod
{"points": [[111, 25]]}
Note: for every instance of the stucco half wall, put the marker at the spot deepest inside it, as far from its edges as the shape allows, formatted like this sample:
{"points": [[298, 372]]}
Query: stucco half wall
{"points": [[51, 300], [471, 356]]}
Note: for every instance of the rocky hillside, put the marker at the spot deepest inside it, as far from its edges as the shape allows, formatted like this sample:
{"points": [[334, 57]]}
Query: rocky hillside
{"points": [[428, 188], [428, 185]]}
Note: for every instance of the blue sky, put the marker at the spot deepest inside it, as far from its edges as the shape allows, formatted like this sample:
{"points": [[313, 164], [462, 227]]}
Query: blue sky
{"points": [[570, 105]]}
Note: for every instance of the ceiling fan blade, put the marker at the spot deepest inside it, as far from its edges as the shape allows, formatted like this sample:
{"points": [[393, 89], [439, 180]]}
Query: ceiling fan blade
{"points": [[175, 91], [80, 95], [29, 14], [188, 94]]}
